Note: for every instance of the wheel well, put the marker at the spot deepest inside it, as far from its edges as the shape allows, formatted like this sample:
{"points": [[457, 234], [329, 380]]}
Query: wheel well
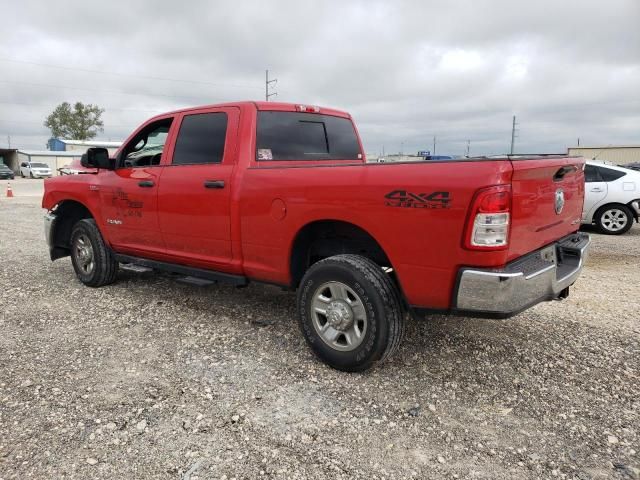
{"points": [[68, 213], [596, 214], [326, 238]]}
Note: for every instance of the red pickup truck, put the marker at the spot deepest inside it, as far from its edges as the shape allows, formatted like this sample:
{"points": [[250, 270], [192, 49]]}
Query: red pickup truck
{"points": [[282, 194]]}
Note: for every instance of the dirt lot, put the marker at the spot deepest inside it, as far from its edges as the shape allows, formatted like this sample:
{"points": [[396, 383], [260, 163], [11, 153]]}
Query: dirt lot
{"points": [[150, 378]]}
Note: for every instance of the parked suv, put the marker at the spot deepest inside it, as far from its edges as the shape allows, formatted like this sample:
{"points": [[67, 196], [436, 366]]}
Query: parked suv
{"points": [[35, 170], [6, 172], [612, 197]]}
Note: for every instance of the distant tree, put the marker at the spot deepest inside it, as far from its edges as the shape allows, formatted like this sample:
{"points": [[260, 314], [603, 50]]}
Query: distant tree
{"points": [[80, 122]]}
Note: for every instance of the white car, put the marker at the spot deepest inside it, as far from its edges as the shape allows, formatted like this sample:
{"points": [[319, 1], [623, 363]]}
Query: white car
{"points": [[35, 170], [611, 197]]}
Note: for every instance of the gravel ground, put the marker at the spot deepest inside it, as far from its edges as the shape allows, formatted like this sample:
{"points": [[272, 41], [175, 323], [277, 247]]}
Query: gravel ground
{"points": [[150, 378]]}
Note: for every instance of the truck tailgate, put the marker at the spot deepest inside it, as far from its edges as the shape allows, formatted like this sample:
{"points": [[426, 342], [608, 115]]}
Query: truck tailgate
{"points": [[548, 194]]}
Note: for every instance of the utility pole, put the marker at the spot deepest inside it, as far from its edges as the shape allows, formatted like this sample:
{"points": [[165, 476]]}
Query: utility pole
{"points": [[468, 148], [267, 84], [9, 141], [433, 154], [578, 141], [513, 134]]}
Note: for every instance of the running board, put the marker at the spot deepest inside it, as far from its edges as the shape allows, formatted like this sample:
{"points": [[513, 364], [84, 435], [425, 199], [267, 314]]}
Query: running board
{"points": [[132, 267], [195, 273], [196, 281]]}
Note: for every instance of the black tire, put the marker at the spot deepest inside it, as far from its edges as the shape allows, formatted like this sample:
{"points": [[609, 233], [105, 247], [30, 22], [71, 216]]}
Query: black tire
{"points": [[385, 318], [609, 217], [104, 268]]}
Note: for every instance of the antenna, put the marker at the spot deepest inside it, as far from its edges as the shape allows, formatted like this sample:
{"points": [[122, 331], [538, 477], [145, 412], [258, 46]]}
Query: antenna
{"points": [[267, 87], [601, 150]]}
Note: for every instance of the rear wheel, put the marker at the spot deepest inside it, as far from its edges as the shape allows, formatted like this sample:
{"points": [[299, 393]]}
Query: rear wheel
{"points": [[92, 261], [614, 219], [349, 312]]}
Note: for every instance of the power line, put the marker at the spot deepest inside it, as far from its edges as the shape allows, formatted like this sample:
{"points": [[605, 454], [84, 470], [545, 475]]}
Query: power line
{"points": [[130, 75], [111, 92], [34, 124], [48, 105]]}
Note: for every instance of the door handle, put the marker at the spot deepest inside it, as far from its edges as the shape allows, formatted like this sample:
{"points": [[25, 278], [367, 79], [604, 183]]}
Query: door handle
{"points": [[597, 189], [146, 183], [214, 184]]}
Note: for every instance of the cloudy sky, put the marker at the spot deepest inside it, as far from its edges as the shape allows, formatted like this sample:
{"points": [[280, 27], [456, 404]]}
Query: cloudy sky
{"points": [[406, 70]]}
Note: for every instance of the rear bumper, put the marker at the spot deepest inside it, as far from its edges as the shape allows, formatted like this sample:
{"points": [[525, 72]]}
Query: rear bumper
{"points": [[545, 274]]}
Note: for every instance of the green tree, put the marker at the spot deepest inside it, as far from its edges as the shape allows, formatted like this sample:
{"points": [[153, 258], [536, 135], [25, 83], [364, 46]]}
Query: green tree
{"points": [[80, 122]]}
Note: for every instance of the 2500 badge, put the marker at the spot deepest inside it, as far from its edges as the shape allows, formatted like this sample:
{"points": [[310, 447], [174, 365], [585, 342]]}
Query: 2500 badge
{"points": [[405, 199]]}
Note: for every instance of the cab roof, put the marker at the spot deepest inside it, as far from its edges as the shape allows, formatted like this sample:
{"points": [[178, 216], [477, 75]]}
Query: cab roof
{"points": [[266, 106]]}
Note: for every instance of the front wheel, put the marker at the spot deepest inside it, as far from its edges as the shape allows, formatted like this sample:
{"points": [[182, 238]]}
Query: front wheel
{"points": [[614, 219], [349, 312], [92, 261]]}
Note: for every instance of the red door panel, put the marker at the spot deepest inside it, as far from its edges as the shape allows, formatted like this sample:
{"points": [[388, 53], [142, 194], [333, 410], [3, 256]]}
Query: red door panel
{"points": [[130, 206], [194, 199]]}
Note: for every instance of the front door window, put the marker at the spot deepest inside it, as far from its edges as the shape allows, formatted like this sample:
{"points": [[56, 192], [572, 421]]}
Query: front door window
{"points": [[145, 149]]}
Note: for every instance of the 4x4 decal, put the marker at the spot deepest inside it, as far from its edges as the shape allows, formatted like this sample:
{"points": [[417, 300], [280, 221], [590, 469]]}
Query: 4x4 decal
{"points": [[405, 199]]}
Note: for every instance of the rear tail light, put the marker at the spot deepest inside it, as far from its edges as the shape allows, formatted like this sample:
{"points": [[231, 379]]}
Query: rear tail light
{"points": [[488, 227]]}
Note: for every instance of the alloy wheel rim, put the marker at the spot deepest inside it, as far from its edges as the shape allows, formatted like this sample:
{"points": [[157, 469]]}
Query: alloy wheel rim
{"points": [[84, 254], [614, 220], [339, 316]]}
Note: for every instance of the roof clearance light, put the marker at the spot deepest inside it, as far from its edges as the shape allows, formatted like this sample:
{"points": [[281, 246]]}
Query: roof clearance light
{"points": [[308, 109]]}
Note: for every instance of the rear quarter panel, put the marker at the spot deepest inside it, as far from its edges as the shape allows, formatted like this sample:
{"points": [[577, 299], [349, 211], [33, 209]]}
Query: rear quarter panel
{"points": [[424, 245]]}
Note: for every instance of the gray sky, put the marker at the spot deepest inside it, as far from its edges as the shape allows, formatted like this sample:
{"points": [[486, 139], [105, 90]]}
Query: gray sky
{"points": [[406, 70]]}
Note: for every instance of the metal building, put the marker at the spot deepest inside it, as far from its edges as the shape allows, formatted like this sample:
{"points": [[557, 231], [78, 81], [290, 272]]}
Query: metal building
{"points": [[54, 160], [616, 154], [64, 145]]}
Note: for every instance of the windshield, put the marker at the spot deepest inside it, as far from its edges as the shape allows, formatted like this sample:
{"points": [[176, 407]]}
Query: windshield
{"points": [[3, 167], [39, 165]]}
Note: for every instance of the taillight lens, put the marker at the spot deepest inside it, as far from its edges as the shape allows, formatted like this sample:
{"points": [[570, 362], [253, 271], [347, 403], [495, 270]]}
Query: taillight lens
{"points": [[308, 108], [489, 219]]}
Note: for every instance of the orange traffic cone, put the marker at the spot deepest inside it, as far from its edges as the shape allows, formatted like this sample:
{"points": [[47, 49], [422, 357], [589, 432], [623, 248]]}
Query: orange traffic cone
{"points": [[9, 191]]}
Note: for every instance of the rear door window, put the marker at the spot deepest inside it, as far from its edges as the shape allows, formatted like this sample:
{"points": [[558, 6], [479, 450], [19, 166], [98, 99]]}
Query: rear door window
{"points": [[591, 174], [609, 175], [305, 136], [201, 139]]}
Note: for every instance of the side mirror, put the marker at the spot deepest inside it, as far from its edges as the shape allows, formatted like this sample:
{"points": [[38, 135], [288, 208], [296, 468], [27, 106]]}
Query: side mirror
{"points": [[96, 157]]}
